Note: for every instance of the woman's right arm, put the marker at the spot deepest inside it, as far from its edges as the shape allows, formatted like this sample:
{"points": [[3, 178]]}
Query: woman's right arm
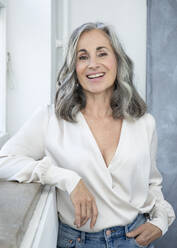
{"points": [[23, 159]]}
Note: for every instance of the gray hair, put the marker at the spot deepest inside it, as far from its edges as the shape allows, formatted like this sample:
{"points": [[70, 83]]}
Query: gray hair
{"points": [[70, 98]]}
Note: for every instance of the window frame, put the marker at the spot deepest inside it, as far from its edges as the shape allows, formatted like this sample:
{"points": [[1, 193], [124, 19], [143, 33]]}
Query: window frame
{"points": [[3, 65]]}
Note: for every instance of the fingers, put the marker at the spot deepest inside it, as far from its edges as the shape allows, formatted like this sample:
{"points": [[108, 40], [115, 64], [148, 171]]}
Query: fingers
{"points": [[84, 205], [145, 234], [77, 215], [89, 209], [135, 232], [83, 211], [94, 215], [86, 212], [144, 238], [140, 234]]}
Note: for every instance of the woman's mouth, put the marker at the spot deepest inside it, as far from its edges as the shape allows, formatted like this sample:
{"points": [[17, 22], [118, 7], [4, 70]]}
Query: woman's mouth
{"points": [[96, 75]]}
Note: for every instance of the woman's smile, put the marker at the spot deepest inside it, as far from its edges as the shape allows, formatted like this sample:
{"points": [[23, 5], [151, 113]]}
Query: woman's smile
{"points": [[95, 77], [96, 65]]}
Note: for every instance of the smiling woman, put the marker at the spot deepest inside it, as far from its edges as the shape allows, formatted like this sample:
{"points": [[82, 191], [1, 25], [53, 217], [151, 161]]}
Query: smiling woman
{"points": [[70, 98], [96, 65], [97, 145]]}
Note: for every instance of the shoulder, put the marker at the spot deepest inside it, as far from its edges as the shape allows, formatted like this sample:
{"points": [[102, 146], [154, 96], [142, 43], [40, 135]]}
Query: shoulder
{"points": [[40, 115], [149, 123], [149, 120], [45, 110]]}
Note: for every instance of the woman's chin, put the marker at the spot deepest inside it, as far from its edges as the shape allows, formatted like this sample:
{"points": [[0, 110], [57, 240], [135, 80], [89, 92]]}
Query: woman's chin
{"points": [[98, 90]]}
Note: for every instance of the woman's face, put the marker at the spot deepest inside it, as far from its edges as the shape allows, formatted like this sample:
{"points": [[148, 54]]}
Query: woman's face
{"points": [[96, 64]]}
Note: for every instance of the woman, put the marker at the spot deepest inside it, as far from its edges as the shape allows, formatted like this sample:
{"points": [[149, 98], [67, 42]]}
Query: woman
{"points": [[97, 145]]}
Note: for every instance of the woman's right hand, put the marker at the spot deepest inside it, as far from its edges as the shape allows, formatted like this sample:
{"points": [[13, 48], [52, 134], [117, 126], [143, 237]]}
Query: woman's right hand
{"points": [[84, 205]]}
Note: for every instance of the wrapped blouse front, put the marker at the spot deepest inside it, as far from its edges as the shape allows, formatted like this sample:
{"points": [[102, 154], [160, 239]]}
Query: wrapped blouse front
{"points": [[60, 153]]}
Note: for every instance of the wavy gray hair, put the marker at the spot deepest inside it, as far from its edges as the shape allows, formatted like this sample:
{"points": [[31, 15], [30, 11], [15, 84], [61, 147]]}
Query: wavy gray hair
{"points": [[70, 98]]}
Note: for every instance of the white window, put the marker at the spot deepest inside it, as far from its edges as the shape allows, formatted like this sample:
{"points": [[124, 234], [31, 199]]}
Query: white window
{"points": [[3, 132], [62, 30]]}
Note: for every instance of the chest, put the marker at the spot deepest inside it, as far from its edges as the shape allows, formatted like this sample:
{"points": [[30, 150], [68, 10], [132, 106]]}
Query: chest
{"points": [[106, 133], [85, 146]]}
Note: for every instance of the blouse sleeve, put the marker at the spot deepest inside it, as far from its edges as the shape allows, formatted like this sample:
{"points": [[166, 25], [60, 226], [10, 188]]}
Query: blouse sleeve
{"points": [[162, 214], [23, 158]]}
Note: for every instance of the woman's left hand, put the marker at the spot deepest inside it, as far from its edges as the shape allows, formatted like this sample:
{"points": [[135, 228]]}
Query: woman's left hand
{"points": [[145, 234]]}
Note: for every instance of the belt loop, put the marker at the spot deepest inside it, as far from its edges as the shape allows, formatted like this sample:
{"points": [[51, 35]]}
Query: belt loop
{"points": [[82, 237], [126, 231]]}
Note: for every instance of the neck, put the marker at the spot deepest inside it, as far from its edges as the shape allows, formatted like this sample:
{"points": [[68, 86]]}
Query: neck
{"points": [[98, 106]]}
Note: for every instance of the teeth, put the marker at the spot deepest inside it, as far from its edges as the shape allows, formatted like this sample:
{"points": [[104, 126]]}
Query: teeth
{"points": [[96, 75]]}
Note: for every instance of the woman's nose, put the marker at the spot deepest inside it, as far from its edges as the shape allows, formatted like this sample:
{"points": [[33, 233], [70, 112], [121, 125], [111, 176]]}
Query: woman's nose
{"points": [[93, 63]]}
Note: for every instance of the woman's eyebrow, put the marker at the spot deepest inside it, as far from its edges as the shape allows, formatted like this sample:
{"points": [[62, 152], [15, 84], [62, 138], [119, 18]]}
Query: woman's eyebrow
{"points": [[82, 50], [97, 49], [101, 47]]}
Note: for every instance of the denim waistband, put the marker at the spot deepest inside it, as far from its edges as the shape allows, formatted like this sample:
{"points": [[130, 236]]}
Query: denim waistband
{"points": [[119, 231]]}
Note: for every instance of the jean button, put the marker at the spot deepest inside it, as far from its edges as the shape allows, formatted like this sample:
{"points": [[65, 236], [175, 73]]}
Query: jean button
{"points": [[108, 232], [78, 239]]}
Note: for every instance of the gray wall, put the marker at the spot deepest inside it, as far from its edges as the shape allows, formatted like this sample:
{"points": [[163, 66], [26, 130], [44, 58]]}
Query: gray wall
{"points": [[162, 97]]}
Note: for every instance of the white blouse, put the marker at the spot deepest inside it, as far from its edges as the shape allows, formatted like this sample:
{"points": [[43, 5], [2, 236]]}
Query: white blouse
{"points": [[60, 153]]}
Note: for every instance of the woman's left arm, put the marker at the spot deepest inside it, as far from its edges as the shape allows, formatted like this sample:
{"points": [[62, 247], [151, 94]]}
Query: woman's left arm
{"points": [[162, 214]]}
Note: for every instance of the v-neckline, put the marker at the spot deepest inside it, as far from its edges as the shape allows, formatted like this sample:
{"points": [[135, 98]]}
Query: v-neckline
{"points": [[90, 133]]}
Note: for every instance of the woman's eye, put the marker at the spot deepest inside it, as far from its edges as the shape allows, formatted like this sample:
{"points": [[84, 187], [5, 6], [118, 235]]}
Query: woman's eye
{"points": [[83, 57], [102, 54]]}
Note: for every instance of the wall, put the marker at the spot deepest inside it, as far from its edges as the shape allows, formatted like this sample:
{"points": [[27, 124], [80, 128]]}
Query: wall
{"points": [[161, 97], [129, 19], [29, 44]]}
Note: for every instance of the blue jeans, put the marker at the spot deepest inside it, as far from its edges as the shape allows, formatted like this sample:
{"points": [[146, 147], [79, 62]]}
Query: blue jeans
{"points": [[113, 237]]}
